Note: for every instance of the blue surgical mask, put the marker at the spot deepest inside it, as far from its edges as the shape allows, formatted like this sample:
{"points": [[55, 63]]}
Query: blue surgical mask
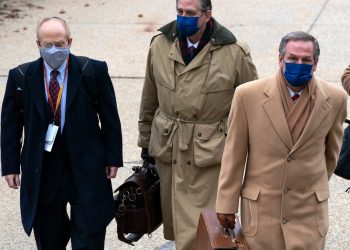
{"points": [[187, 25], [298, 74], [54, 56]]}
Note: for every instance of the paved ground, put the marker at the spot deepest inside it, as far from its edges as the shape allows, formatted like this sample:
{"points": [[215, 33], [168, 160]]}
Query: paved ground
{"points": [[119, 32]]}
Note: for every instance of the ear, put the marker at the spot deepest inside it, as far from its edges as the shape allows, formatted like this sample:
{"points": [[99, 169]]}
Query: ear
{"points": [[207, 15], [38, 43], [315, 65], [70, 42], [280, 61]]}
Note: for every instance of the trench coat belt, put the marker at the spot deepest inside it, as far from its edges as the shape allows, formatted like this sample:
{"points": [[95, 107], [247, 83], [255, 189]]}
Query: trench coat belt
{"points": [[178, 125]]}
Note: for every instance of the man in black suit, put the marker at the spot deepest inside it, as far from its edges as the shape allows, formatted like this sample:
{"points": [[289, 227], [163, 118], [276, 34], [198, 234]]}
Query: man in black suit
{"points": [[72, 143]]}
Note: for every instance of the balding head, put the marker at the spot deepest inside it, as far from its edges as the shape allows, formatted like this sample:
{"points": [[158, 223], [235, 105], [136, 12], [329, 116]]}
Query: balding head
{"points": [[53, 31], [53, 22]]}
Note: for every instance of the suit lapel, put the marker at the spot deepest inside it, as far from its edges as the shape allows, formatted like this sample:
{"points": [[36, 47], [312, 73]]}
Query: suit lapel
{"points": [[320, 110], [35, 85], [74, 80], [274, 109]]}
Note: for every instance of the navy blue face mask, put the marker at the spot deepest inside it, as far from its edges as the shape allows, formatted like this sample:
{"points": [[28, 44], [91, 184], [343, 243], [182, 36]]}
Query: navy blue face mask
{"points": [[187, 25], [298, 74]]}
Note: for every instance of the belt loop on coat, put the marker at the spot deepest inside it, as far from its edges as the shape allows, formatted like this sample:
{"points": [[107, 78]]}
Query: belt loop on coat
{"points": [[182, 145]]}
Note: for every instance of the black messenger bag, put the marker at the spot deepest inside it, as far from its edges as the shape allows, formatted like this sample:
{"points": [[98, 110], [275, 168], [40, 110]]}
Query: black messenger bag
{"points": [[137, 202], [343, 164]]}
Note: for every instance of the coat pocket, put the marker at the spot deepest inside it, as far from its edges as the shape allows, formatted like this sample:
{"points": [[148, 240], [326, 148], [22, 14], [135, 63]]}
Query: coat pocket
{"points": [[322, 196], [249, 210], [208, 144], [160, 145]]}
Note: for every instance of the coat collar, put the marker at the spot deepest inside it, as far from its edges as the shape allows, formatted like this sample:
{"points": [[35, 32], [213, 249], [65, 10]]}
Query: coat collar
{"points": [[220, 35], [74, 80], [274, 109], [35, 83]]}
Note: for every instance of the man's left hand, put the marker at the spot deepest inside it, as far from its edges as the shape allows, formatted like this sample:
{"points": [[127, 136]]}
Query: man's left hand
{"points": [[111, 171]]}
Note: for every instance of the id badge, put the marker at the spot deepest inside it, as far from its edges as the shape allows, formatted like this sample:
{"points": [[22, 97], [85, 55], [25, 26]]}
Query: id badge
{"points": [[50, 137]]}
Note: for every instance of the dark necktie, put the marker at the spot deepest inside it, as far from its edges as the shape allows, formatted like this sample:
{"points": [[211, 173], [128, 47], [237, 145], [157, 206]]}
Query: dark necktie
{"points": [[295, 97], [192, 50], [54, 89]]}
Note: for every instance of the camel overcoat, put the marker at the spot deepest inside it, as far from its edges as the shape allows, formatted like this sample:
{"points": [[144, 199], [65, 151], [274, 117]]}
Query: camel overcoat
{"points": [[183, 117], [345, 79], [283, 187]]}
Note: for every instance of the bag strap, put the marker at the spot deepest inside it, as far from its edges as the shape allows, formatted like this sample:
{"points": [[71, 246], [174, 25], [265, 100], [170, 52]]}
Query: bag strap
{"points": [[132, 237], [87, 73], [89, 78], [20, 77]]}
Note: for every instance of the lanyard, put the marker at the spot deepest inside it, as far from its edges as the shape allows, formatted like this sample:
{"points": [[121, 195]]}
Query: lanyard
{"points": [[58, 101]]}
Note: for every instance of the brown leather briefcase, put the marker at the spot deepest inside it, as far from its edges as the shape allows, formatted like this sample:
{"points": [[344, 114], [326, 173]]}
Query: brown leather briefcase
{"points": [[211, 235]]}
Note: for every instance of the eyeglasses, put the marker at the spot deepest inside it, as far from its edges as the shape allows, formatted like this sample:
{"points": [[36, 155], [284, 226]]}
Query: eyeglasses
{"points": [[56, 44]]}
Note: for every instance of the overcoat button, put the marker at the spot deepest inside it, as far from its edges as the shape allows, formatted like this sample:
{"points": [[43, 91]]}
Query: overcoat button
{"points": [[195, 116], [285, 221], [174, 161], [199, 134], [166, 131], [289, 158], [176, 113], [188, 162]]}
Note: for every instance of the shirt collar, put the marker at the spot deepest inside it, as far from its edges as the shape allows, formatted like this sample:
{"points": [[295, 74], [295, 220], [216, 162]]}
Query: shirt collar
{"points": [[189, 44], [60, 69], [292, 93]]}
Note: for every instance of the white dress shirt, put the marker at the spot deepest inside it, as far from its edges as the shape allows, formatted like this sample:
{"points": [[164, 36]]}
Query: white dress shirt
{"points": [[292, 93], [189, 44], [60, 77]]}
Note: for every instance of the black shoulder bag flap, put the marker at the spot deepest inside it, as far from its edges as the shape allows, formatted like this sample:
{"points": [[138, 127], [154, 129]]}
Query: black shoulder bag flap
{"points": [[138, 210], [343, 164]]}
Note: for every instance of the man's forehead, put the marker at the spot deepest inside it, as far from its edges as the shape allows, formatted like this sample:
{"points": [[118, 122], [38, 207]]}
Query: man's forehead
{"points": [[299, 45], [53, 24], [189, 3]]}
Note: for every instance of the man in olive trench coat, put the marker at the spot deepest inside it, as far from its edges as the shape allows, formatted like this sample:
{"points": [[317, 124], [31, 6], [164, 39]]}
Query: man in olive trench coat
{"points": [[184, 108]]}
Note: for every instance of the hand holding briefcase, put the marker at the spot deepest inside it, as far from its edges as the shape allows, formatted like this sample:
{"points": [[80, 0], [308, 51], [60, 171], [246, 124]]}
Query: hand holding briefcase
{"points": [[211, 235]]}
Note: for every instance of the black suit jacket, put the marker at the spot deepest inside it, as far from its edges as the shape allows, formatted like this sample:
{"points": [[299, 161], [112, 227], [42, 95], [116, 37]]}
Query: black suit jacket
{"points": [[93, 135]]}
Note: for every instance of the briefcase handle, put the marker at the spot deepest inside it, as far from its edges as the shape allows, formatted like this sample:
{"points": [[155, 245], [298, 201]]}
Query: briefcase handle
{"points": [[239, 244]]}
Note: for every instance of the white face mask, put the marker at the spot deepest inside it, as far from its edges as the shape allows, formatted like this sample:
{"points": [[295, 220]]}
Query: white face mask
{"points": [[54, 56]]}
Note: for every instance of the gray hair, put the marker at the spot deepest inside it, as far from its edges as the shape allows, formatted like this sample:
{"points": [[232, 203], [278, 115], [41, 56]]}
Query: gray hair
{"points": [[299, 36], [46, 19], [204, 4]]}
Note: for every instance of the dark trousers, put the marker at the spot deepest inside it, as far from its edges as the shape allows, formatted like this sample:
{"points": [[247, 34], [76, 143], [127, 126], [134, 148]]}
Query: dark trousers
{"points": [[52, 226]]}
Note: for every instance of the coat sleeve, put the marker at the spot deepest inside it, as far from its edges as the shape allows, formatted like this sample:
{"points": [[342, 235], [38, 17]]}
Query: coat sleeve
{"points": [[109, 117], [334, 138], [345, 80], [233, 159], [245, 70], [11, 129], [149, 104]]}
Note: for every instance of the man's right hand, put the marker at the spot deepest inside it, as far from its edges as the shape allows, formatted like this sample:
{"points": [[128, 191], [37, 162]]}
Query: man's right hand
{"points": [[227, 220], [146, 157], [13, 180]]}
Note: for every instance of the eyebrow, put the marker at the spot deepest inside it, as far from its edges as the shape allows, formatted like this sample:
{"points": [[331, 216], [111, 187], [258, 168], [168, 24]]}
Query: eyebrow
{"points": [[291, 54]]}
